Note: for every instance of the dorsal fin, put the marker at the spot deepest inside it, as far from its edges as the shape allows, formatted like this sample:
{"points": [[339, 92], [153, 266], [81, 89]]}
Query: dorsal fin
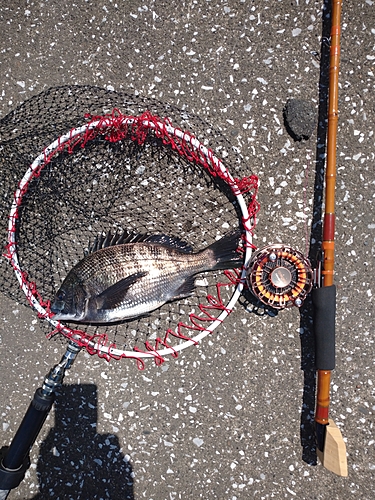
{"points": [[104, 240], [109, 239], [171, 242]]}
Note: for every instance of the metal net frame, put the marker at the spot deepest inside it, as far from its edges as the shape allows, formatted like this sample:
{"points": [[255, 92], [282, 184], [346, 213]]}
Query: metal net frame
{"points": [[143, 132]]}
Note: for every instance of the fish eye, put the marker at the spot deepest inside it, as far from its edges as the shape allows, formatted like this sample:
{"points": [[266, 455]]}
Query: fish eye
{"points": [[61, 295]]}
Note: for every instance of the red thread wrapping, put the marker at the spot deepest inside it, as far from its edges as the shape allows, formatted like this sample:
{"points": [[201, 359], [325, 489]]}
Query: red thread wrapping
{"points": [[116, 127]]}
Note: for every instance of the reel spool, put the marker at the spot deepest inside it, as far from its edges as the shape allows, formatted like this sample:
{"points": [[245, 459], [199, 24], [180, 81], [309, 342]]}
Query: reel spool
{"points": [[279, 276]]}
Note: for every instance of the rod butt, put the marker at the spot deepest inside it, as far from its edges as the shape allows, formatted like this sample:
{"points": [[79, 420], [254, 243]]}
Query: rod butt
{"points": [[333, 457]]}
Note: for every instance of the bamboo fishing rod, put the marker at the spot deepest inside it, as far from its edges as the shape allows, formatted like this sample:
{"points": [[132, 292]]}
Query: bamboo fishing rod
{"points": [[331, 447]]}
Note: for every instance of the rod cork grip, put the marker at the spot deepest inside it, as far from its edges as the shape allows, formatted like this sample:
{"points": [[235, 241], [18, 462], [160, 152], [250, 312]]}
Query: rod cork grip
{"points": [[324, 302]]}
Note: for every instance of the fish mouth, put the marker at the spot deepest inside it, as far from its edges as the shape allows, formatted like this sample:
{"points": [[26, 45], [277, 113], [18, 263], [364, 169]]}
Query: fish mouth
{"points": [[57, 307], [61, 316]]}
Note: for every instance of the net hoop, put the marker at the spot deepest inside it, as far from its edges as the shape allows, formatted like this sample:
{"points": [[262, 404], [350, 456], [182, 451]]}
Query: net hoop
{"points": [[116, 127]]}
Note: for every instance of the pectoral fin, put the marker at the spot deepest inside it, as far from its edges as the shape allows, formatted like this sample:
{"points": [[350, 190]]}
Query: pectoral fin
{"points": [[115, 294]]}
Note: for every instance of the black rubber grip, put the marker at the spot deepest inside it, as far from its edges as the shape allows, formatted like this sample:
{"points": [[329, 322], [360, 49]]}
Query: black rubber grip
{"points": [[324, 302], [28, 430]]}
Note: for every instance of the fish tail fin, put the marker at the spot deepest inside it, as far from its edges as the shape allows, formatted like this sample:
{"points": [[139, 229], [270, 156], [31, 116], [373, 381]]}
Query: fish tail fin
{"points": [[224, 252]]}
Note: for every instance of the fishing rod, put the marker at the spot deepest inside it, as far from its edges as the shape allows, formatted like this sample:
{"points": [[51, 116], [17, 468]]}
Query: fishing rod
{"points": [[331, 447], [280, 276]]}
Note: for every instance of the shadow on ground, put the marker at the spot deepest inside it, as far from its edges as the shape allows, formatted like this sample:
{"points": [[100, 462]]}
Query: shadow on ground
{"points": [[75, 461]]}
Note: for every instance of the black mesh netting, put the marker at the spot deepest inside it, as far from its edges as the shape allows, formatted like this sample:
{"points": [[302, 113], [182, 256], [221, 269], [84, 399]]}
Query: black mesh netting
{"points": [[147, 187]]}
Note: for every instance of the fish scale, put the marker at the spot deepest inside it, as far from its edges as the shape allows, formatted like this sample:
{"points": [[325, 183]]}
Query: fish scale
{"points": [[138, 258]]}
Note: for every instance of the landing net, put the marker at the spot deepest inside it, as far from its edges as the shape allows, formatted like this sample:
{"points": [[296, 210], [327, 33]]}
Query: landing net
{"points": [[78, 161]]}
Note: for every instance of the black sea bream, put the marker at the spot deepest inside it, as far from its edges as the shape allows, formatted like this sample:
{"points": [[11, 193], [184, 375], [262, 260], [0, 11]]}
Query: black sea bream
{"points": [[126, 280]]}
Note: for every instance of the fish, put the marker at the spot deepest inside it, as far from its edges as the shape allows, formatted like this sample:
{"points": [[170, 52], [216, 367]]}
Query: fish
{"points": [[124, 276]]}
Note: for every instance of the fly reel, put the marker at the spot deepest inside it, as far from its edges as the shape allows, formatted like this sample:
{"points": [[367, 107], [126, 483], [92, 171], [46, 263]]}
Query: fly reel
{"points": [[279, 276]]}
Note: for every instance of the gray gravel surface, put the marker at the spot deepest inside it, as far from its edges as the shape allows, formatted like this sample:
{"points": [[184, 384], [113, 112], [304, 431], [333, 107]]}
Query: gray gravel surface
{"points": [[231, 418]]}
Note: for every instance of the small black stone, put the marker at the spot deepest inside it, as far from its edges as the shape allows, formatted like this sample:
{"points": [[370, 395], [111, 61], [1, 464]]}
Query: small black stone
{"points": [[299, 118]]}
